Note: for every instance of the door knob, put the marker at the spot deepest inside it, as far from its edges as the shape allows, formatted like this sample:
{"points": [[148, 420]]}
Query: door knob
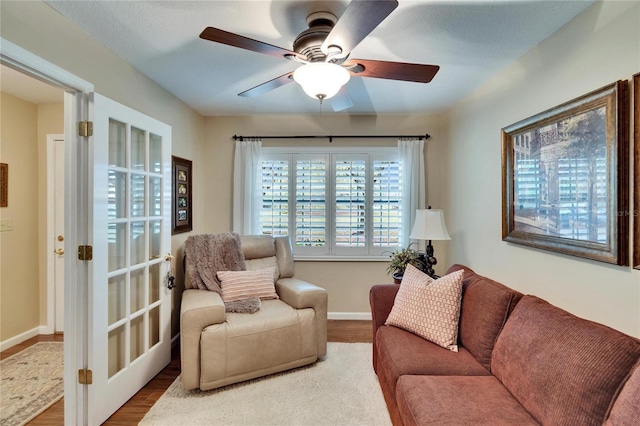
{"points": [[59, 251]]}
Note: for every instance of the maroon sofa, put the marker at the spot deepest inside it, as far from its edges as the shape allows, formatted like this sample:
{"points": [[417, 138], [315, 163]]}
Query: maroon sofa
{"points": [[521, 361]]}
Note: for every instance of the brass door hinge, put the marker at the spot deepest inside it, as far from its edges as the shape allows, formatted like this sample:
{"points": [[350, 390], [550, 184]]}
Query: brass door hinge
{"points": [[85, 376], [85, 253], [85, 128]]}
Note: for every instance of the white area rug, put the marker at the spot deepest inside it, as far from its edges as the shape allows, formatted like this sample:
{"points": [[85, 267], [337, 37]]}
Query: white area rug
{"points": [[32, 381], [342, 389]]}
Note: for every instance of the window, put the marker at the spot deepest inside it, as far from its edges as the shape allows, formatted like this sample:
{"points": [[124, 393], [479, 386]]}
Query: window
{"points": [[341, 203]]}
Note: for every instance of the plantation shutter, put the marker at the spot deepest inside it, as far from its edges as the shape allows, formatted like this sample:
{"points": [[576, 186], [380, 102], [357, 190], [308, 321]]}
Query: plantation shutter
{"points": [[311, 202], [387, 208], [274, 215], [350, 202]]}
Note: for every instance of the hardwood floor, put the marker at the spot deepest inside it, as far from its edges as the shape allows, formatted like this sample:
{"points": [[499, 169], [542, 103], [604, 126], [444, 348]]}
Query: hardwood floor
{"points": [[349, 331], [135, 409]]}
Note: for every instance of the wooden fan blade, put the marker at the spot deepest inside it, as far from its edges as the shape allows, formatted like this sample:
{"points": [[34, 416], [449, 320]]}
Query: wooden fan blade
{"points": [[392, 70], [357, 21], [341, 100], [220, 36], [268, 86]]}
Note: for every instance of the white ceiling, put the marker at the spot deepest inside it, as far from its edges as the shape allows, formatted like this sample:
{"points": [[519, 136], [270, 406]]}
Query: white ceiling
{"points": [[471, 40]]}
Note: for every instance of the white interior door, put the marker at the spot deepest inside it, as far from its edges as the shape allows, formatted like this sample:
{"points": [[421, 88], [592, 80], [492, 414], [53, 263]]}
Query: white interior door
{"points": [[129, 304], [58, 233], [55, 232]]}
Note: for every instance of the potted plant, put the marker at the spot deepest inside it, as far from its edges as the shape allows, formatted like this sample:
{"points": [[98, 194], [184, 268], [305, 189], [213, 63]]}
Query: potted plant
{"points": [[403, 257]]}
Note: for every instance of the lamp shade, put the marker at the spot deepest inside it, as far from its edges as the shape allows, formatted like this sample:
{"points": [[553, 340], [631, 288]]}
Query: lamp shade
{"points": [[321, 80], [429, 225]]}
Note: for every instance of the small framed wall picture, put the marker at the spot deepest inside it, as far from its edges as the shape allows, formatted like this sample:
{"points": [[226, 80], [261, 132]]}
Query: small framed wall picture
{"points": [[181, 200], [4, 185]]}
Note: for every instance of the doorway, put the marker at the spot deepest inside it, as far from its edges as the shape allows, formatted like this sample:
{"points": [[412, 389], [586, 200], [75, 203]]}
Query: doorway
{"points": [[38, 109], [30, 110]]}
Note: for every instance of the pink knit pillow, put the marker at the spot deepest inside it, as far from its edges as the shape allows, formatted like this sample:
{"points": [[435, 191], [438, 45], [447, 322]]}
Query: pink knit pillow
{"points": [[429, 308], [239, 285]]}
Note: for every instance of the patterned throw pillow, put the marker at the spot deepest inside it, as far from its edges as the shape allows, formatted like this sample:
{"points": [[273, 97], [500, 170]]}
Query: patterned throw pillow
{"points": [[429, 308], [239, 285]]}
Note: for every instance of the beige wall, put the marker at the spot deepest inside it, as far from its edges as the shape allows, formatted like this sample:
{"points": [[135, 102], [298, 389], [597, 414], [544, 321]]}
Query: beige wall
{"points": [[600, 46], [25, 127], [30, 24], [19, 285], [347, 283]]}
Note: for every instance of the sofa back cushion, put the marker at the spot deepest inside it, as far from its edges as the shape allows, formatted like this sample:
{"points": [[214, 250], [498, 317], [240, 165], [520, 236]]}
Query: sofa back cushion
{"points": [[486, 304], [561, 368]]}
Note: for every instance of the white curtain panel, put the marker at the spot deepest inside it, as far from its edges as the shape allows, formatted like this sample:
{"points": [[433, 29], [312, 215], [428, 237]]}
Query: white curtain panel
{"points": [[413, 183], [247, 187]]}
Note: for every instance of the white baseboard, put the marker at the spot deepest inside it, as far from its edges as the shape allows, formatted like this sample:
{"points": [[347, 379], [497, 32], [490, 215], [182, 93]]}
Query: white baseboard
{"points": [[363, 316], [16, 340]]}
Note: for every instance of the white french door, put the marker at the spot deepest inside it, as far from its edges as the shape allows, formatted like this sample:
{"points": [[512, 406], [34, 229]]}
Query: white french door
{"points": [[129, 329]]}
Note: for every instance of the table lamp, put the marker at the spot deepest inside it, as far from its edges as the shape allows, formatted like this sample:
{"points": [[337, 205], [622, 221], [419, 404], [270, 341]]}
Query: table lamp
{"points": [[429, 225]]}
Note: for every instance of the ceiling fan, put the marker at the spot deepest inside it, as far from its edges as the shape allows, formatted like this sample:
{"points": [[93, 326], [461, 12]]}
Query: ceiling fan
{"points": [[324, 50]]}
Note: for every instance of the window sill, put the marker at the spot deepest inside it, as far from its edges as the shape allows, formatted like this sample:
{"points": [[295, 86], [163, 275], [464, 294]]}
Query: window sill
{"points": [[298, 258]]}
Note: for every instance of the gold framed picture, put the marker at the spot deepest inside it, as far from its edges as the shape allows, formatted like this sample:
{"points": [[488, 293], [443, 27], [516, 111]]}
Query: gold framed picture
{"points": [[565, 177]]}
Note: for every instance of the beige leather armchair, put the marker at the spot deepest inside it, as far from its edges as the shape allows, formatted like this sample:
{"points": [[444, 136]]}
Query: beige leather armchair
{"points": [[219, 348]]}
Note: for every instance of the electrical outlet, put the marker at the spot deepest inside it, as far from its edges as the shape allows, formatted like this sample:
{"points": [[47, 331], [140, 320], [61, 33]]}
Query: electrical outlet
{"points": [[5, 225]]}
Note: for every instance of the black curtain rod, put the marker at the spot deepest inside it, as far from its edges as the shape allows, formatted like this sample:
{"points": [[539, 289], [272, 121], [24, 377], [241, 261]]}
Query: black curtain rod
{"points": [[331, 138]]}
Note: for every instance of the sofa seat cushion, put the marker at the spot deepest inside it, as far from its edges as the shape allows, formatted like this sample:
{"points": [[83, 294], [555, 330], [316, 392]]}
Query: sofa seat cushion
{"points": [[459, 400], [275, 335], [400, 352], [561, 368]]}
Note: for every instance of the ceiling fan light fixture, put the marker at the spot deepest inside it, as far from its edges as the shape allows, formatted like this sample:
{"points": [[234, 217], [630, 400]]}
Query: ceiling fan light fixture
{"points": [[321, 80]]}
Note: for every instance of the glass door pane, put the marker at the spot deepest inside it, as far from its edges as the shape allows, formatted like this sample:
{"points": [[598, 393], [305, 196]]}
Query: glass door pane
{"points": [[138, 149], [117, 288], [117, 144], [137, 299], [155, 156], [138, 346]]}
